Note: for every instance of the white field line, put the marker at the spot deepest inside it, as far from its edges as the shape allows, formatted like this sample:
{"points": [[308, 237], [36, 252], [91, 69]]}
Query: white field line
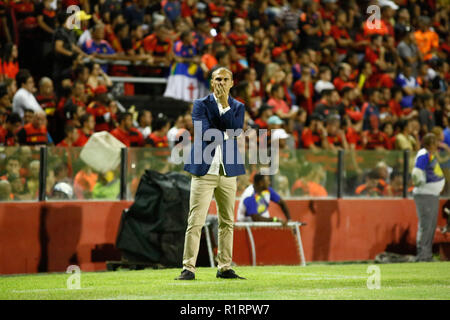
{"points": [[48, 290], [315, 276]]}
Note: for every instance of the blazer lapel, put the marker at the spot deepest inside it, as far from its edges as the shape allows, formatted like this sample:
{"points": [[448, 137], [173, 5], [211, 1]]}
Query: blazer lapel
{"points": [[213, 107]]}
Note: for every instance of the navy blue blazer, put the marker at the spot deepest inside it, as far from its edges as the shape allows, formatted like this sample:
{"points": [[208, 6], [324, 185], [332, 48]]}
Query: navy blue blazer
{"points": [[206, 111]]}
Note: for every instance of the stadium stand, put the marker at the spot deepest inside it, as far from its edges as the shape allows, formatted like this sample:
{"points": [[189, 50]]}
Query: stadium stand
{"points": [[337, 78]]}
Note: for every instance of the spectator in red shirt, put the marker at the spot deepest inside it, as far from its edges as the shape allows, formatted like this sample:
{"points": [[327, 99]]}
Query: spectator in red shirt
{"points": [[35, 132], [71, 136], [46, 96], [77, 98], [340, 34], [343, 78], [223, 30], [100, 110], [374, 186], [5, 100], [328, 104], [280, 107], [375, 54], [159, 45], [47, 99], [374, 139], [239, 37], [126, 133], [335, 136], [304, 90], [87, 122], [347, 105], [144, 122], [158, 137], [8, 133], [9, 66], [265, 112], [189, 11], [217, 11], [315, 135]]}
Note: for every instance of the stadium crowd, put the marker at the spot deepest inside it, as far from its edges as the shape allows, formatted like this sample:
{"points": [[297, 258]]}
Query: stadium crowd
{"points": [[325, 73]]}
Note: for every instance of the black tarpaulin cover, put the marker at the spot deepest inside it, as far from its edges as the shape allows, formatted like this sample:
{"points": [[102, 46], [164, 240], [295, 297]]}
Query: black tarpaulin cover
{"points": [[153, 228]]}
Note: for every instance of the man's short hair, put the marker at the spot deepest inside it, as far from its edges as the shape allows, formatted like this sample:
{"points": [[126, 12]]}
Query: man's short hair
{"points": [[160, 122], [221, 54], [326, 92], [220, 69], [275, 88], [141, 114], [122, 116], [84, 118], [44, 80], [22, 76], [257, 178], [429, 139]]}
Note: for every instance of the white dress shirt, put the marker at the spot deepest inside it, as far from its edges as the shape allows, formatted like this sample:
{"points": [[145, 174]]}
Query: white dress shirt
{"points": [[218, 159], [24, 99]]}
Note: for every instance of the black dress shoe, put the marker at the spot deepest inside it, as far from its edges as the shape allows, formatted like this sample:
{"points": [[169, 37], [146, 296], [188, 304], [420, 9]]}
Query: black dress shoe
{"points": [[228, 274], [186, 275]]}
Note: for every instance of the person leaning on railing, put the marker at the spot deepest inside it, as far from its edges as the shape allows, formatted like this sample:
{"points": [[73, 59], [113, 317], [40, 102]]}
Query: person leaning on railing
{"points": [[254, 204]]}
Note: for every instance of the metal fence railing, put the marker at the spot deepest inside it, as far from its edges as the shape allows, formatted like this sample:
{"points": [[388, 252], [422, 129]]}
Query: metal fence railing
{"points": [[55, 173]]}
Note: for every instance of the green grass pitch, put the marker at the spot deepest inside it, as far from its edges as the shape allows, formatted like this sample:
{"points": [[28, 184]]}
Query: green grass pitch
{"points": [[315, 281]]}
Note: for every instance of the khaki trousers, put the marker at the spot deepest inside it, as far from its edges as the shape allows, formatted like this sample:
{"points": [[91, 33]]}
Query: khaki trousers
{"points": [[202, 190]]}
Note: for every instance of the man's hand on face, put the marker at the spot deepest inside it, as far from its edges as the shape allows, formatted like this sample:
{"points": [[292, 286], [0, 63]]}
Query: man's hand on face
{"points": [[221, 94], [222, 83]]}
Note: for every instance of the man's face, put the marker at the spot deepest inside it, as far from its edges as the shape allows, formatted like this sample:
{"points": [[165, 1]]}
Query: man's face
{"points": [[99, 33], [162, 33], [404, 15], [148, 118], [34, 169], [5, 101], [267, 113], [47, 88], [128, 123], [78, 90], [375, 97], [73, 135], [222, 79], [29, 85], [39, 120], [433, 147], [335, 97], [13, 167], [264, 183], [91, 123], [279, 93], [80, 112], [239, 25], [342, 17], [28, 116], [408, 71], [139, 32]]}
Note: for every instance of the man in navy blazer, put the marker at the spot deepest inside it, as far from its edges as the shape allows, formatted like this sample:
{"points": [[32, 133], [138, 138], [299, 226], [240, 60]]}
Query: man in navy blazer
{"points": [[214, 163]]}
